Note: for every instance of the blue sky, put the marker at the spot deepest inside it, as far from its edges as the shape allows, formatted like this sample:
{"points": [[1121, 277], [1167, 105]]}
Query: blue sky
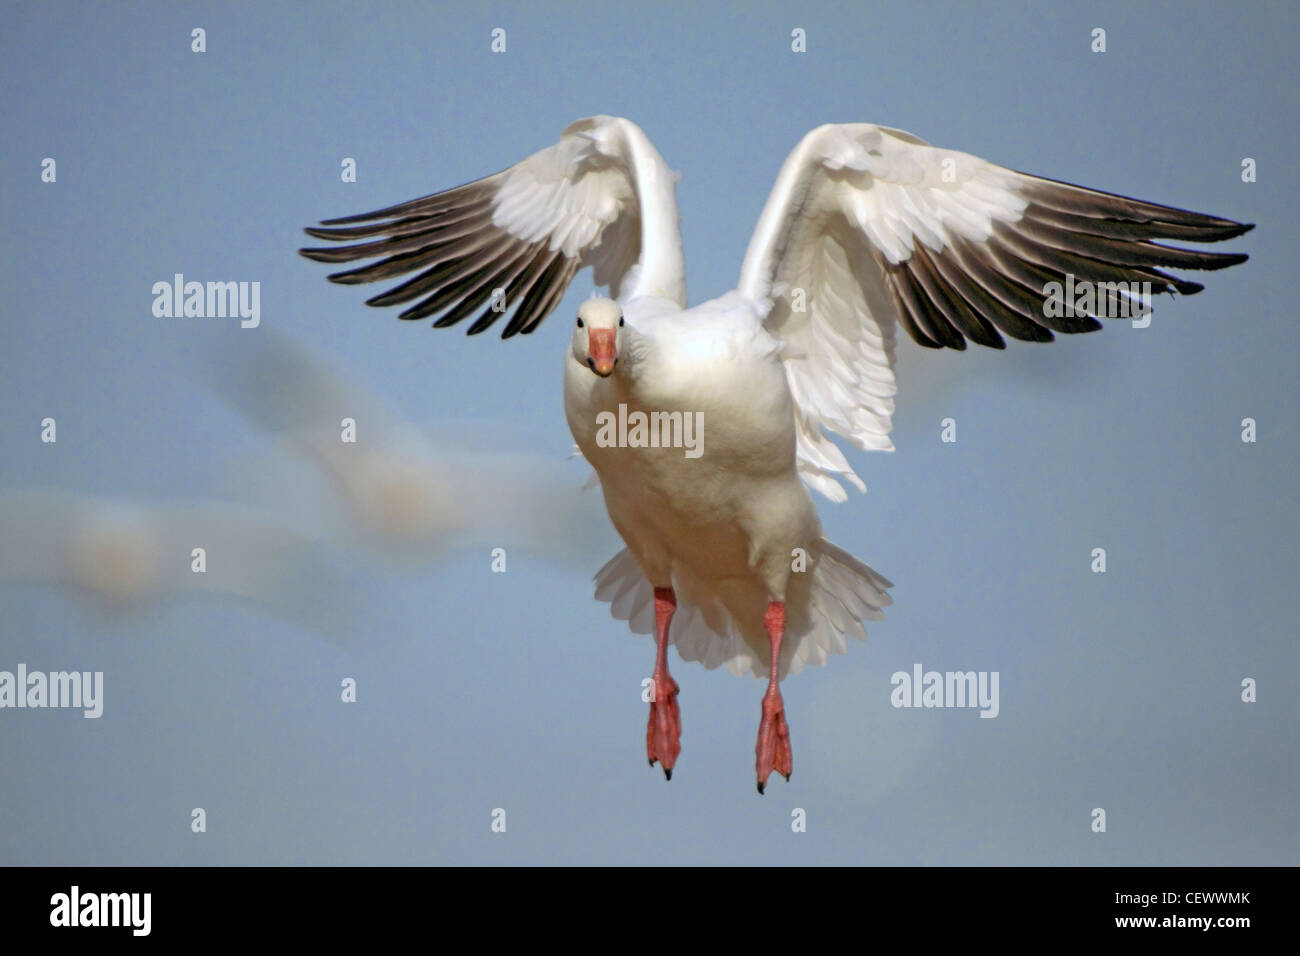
{"points": [[479, 691]]}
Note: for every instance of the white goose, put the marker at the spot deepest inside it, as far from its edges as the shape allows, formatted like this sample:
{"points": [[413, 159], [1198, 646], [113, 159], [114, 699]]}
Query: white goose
{"points": [[866, 228]]}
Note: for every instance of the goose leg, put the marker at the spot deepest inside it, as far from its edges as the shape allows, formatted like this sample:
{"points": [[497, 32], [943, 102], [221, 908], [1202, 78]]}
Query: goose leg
{"points": [[773, 748], [663, 735]]}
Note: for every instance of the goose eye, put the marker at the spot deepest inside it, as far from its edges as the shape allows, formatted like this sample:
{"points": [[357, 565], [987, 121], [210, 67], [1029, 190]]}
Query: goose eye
{"points": [[620, 321], [579, 321]]}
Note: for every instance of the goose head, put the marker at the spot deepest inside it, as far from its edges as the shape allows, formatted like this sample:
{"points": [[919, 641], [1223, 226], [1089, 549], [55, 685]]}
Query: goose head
{"points": [[598, 335]]}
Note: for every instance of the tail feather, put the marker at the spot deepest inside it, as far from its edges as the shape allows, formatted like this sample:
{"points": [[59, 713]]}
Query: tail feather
{"points": [[841, 594]]}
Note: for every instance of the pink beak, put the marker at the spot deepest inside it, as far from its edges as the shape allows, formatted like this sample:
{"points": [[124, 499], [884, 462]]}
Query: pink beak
{"points": [[600, 348]]}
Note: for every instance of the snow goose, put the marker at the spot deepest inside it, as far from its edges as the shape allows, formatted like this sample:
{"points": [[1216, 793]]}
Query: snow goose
{"points": [[867, 228]]}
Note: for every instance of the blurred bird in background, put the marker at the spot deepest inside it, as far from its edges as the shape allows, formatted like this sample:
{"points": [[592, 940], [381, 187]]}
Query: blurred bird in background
{"points": [[398, 492], [126, 558], [345, 481]]}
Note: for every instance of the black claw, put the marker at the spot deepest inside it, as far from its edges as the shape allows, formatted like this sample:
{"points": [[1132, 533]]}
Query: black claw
{"points": [[787, 776], [652, 761], [668, 773], [760, 788]]}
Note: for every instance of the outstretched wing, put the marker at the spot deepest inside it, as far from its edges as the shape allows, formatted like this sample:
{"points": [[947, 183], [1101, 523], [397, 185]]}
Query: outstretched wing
{"points": [[868, 227], [512, 242]]}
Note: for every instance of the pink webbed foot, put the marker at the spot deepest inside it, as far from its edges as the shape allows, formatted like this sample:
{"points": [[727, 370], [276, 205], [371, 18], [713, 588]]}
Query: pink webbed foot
{"points": [[664, 732], [773, 748], [663, 735]]}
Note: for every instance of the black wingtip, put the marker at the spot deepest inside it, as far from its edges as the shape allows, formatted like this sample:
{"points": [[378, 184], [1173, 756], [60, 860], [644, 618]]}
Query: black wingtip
{"points": [[350, 220], [345, 278], [484, 322], [316, 232], [1233, 230]]}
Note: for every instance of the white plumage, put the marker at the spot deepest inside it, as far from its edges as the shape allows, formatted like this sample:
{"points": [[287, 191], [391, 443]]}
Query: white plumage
{"points": [[866, 229]]}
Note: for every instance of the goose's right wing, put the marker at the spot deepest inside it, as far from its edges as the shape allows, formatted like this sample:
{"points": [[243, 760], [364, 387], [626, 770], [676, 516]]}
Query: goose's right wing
{"points": [[512, 242]]}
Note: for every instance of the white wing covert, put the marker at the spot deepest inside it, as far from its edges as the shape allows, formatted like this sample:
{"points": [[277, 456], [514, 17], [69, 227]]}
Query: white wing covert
{"points": [[868, 227], [601, 197]]}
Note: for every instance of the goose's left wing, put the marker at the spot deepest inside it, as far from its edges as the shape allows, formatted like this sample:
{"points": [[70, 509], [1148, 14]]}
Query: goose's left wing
{"points": [[868, 227]]}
